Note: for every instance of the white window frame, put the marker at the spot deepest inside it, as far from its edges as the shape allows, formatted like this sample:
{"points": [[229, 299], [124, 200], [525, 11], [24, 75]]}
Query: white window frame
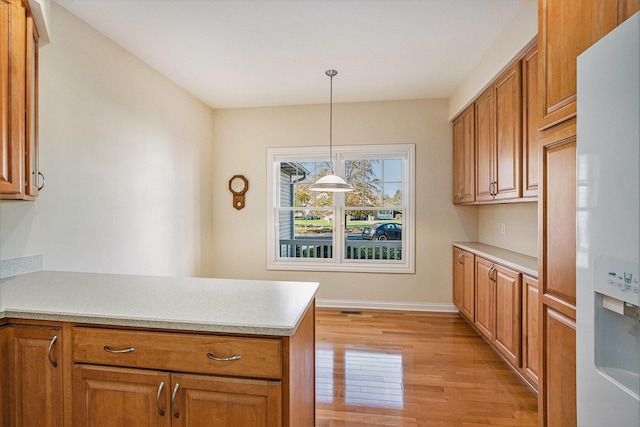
{"points": [[406, 152]]}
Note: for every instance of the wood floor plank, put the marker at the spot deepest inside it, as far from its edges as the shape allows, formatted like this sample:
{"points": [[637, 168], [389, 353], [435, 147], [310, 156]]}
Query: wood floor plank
{"points": [[412, 369]]}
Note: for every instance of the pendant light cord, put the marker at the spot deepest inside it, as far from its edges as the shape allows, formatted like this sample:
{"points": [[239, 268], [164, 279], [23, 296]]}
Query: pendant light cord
{"points": [[331, 73]]}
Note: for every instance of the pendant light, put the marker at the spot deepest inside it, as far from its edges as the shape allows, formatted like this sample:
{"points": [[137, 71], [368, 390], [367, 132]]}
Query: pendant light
{"points": [[332, 182]]}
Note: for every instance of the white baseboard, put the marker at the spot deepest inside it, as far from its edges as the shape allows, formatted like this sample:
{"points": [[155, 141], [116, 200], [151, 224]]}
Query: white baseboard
{"points": [[382, 305]]}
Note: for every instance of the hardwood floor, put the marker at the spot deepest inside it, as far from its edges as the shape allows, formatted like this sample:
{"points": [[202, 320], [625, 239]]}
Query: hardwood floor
{"points": [[412, 369]]}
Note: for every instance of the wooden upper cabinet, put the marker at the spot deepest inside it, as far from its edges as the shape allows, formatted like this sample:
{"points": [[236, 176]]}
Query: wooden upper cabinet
{"points": [[507, 176], [19, 175], [12, 51], [499, 138], [626, 8], [530, 122], [565, 30], [464, 156], [485, 146]]}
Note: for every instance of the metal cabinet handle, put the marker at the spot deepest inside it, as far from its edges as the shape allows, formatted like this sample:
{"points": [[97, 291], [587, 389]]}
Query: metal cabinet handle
{"points": [[160, 410], [51, 361], [173, 399], [224, 359], [124, 350], [460, 258], [493, 188], [43, 181], [491, 270]]}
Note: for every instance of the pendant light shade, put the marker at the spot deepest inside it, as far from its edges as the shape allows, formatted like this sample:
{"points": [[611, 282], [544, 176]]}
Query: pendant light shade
{"points": [[332, 182]]}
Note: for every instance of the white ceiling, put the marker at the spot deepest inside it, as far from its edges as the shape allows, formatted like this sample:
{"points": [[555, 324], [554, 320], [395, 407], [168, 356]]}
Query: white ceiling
{"points": [[248, 53]]}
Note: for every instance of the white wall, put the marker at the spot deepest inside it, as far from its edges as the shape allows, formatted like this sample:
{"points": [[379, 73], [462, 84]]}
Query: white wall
{"points": [[242, 137], [515, 36], [127, 157]]}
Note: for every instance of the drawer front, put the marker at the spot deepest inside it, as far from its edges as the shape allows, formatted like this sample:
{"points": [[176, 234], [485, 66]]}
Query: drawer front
{"points": [[236, 356]]}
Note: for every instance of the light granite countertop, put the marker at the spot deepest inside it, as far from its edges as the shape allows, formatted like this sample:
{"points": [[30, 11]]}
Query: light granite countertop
{"points": [[194, 304], [517, 261]]}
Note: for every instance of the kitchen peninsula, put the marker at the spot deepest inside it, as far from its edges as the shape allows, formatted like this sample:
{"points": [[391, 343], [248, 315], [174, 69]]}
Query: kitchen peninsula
{"points": [[156, 350]]}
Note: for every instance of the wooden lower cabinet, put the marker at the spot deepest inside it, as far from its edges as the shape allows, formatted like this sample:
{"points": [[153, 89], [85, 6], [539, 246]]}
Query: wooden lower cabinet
{"points": [[557, 404], [530, 324], [109, 396], [205, 400], [464, 282], [485, 299], [4, 376], [508, 306], [36, 376], [106, 376], [498, 307], [505, 311]]}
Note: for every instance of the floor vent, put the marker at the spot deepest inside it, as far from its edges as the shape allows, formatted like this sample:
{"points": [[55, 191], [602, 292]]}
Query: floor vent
{"points": [[359, 313]]}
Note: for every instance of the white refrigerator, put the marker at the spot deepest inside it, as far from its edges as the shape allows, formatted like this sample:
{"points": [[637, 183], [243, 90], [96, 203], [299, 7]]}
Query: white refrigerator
{"points": [[608, 230]]}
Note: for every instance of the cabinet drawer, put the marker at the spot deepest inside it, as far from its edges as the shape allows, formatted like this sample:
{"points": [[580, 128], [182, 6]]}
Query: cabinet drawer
{"points": [[237, 356]]}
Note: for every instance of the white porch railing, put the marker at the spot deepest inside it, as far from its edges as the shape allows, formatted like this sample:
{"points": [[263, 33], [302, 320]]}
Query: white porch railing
{"points": [[355, 249]]}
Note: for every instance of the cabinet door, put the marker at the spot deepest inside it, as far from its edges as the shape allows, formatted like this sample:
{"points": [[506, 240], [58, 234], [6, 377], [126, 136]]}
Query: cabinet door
{"points": [[485, 298], [105, 396], [32, 176], [36, 382], [558, 397], [530, 346], [559, 221], [530, 123], [464, 156], [4, 376], [508, 313], [469, 285], [458, 277], [626, 8], [557, 274], [204, 400], [566, 29], [508, 138], [485, 145], [12, 89]]}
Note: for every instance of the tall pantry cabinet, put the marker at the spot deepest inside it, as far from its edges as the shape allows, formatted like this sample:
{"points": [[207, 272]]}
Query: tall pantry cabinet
{"points": [[565, 30], [19, 173]]}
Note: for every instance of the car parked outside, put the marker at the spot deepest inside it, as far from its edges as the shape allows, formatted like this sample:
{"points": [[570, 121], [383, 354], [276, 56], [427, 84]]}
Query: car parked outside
{"points": [[383, 231]]}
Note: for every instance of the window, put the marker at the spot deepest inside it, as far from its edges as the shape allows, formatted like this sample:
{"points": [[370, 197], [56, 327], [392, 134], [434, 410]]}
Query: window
{"points": [[368, 229]]}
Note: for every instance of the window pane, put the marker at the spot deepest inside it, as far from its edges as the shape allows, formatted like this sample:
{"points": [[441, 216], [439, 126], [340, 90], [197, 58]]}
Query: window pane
{"points": [[392, 170], [295, 179], [393, 194], [373, 234], [306, 233], [364, 176]]}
